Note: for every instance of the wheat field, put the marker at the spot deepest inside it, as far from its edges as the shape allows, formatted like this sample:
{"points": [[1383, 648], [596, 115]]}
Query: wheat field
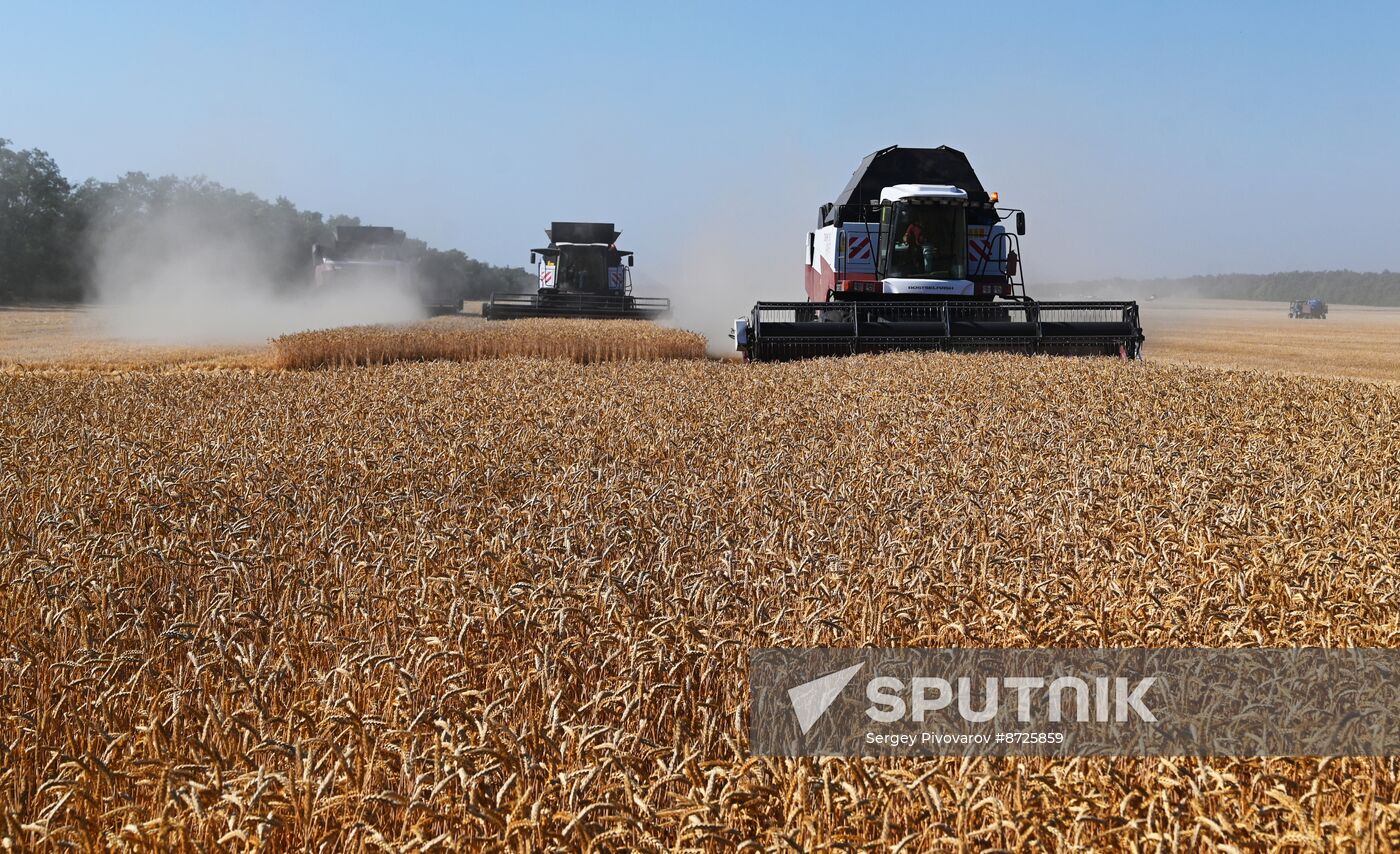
{"points": [[581, 341], [1362, 342], [508, 604]]}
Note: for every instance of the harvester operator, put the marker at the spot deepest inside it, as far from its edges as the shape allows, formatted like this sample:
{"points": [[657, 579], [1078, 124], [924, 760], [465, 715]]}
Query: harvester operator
{"points": [[919, 248]]}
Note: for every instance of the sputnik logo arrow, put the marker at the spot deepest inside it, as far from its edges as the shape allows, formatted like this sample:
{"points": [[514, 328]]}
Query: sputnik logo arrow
{"points": [[810, 700]]}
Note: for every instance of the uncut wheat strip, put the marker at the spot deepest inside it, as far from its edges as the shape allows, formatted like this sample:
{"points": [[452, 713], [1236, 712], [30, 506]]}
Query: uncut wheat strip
{"points": [[579, 341]]}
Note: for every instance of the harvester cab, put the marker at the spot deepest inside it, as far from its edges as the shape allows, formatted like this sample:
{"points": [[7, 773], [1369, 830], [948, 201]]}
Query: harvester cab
{"points": [[915, 254], [581, 273], [362, 255], [934, 241]]}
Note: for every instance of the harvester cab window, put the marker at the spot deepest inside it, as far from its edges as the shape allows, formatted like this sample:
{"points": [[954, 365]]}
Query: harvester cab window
{"points": [[929, 242], [583, 269]]}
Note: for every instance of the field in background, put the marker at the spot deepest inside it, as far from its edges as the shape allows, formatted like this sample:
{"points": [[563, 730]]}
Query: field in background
{"points": [[1355, 341], [1362, 342], [509, 604], [74, 337]]}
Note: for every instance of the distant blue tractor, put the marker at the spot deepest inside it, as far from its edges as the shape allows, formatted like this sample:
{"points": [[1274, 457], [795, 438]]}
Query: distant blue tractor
{"points": [[1308, 309]]}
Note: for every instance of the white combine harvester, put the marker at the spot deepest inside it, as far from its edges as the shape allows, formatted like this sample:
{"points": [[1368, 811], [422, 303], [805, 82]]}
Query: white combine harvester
{"points": [[914, 255]]}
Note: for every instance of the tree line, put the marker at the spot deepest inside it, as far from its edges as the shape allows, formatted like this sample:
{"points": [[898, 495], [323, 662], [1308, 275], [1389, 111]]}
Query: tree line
{"points": [[1334, 286], [50, 228], [1339, 286]]}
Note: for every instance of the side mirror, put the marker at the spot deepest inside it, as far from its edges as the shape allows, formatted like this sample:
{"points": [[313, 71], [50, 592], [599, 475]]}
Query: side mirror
{"points": [[532, 257], [1021, 223], [631, 260]]}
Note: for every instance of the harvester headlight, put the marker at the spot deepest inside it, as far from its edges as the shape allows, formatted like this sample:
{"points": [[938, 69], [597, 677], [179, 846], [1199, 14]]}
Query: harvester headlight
{"points": [[995, 196]]}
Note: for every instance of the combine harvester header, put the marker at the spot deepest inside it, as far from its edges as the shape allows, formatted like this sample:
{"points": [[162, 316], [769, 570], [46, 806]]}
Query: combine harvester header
{"points": [[914, 255], [582, 273]]}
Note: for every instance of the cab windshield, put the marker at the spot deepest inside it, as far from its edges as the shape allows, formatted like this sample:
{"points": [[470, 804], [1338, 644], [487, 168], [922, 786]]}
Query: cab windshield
{"points": [[926, 241], [583, 268]]}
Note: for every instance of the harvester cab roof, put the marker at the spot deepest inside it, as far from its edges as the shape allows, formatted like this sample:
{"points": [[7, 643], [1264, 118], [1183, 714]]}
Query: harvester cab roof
{"points": [[582, 232], [583, 237], [894, 167], [365, 241], [946, 193], [577, 246]]}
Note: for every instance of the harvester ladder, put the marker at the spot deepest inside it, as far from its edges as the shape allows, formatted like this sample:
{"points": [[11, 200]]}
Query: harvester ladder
{"points": [[1013, 244]]}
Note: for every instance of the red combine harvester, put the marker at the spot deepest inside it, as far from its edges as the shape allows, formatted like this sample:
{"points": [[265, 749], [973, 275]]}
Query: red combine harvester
{"points": [[914, 255]]}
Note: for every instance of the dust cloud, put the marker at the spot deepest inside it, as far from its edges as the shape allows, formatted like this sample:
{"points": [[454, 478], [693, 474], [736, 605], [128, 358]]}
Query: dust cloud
{"points": [[1118, 289], [729, 260], [179, 277]]}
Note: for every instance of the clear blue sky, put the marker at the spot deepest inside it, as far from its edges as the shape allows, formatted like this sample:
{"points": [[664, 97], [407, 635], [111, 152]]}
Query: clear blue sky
{"points": [[1142, 139]]}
